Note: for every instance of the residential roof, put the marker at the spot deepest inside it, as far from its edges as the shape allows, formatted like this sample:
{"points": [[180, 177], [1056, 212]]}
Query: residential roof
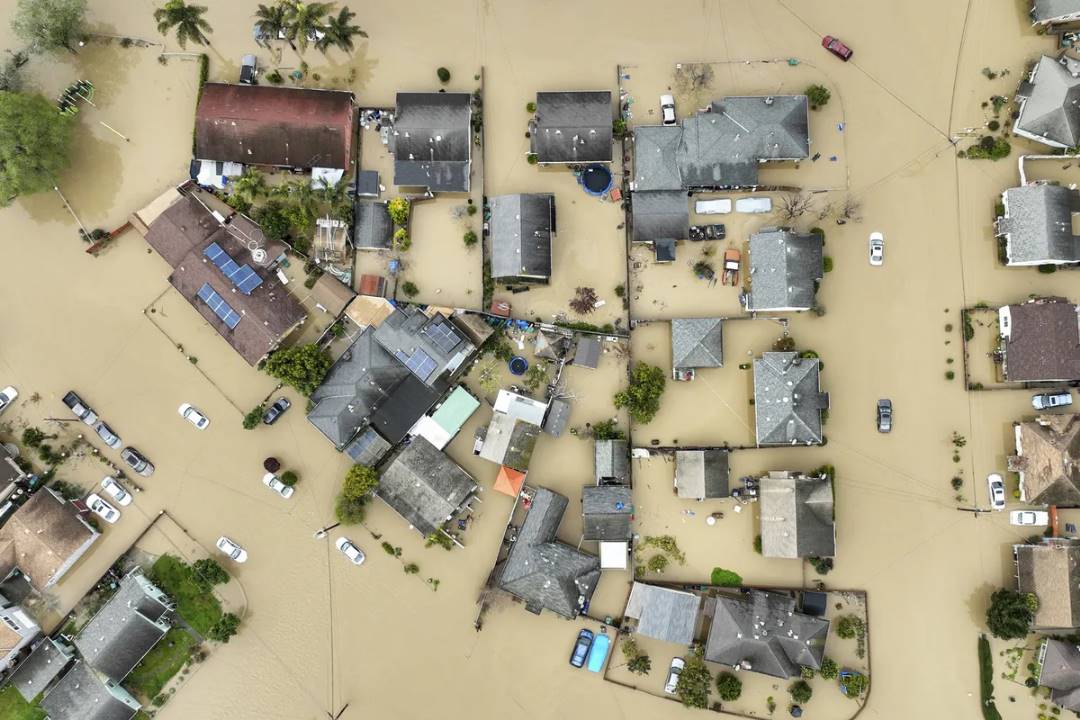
{"points": [[1048, 460], [9, 471], [558, 417], [17, 630], [44, 663], [546, 573], [697, 343], [509, 481], [432, 141], [606, 511], [269, 125], [573, 127], [788, 401], [762, 631], [1043, 341], [664, 250], [332, 295], [43, 538], [368, 448], [701, 474], [1061, 673], [425, 486], [183, 235], [510, 441], [1049, 109], [660, 215], [455, 410], [785, 269], [373, 228], [1037, 225], [1051, 570], [587, 352], [522, 227], [1046, 11], [82, 694], [656, 166], [520, 407], [796, 516], [409, 402], [428, 346], [663, 613], [551, 345], [611, 460]]}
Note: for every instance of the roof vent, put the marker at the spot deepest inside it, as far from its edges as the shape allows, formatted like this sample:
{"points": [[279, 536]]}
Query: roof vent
{"points": [[769, 101]]}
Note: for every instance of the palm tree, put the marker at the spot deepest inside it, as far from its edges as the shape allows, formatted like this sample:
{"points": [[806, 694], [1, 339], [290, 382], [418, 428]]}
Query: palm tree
{"points": [[303, 203], [339, 32], [271, 21], [337, 197], [251, 184], [305, 21], [187, 19]]}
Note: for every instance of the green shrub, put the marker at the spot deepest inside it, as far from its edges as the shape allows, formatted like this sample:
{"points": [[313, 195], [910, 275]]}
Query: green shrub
{"points": [[726, 578], [530, 107], [827, 264], [818, 96], [532, 158], [470, 239], [800, 691], [398, 209], [618, 128], [209, 572], [402, 242], [949, 374], [444, 75], [225, 627], [850, 626], [728, 686], [607, 430], [1048, 268], [986, 680], [620, 291], [757, 544], [274, 77], [829, 669], [254, 417], [409, 288], [289, 478], [819, 232]]}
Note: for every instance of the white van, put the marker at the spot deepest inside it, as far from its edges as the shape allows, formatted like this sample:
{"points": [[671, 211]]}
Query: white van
{"points": [[720, 206], [753, 205]]}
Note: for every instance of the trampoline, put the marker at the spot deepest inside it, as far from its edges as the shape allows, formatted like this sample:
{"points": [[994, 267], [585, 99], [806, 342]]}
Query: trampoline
{"points": [[596, 179], [518, 365]]}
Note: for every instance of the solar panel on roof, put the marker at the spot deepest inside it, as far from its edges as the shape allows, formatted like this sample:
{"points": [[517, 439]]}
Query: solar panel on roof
{"points": [[420, 363], [246, 280], [242, 276], [221, 308], [443, 336]]}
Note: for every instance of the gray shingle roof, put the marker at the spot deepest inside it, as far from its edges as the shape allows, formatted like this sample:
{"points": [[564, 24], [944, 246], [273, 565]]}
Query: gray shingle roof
{"points": [[373, 228], [1044, 341], [1048, 460], [655, 163], [784, 270], [1050, 112], [82, 694], [573, 127], [797, 516], [1061, 673], [663, 613], [432, 141], [701, 474], [611, 460], [587, 351], [522, 227], [697, 343], [544, 572], [408, 331], [425, 486], [368, 448], [510, 441], [763, 630], [44, 663], [660, 215], [606, 512], [788, 401], [1051, 570], [1037, 225], [1045, 11], [558, 417]]}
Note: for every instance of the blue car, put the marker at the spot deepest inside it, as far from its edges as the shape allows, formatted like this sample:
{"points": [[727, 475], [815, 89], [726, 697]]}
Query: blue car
{"points": [[581, 648], [599, 652]]}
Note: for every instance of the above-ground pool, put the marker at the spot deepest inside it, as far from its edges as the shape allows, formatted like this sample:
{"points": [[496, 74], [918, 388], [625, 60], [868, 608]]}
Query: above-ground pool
{"points": [[596, 179]]}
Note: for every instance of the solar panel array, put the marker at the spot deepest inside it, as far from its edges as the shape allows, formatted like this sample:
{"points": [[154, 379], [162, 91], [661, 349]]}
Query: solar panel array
{"points": [[242, 276], [221, 308], [442, 335], [420, 363]]}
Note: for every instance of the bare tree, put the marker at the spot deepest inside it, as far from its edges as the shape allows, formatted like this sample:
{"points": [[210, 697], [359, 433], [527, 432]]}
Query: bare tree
{"points": [[793, 206], [826, 210], [584, 302], [849, 211]]}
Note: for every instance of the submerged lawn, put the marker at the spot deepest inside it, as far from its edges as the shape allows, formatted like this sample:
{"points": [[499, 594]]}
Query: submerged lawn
{"points": [[161, 663], [13, 707], [195, 603]]}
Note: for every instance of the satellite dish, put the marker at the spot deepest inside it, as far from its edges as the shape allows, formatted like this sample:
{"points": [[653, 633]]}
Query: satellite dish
{"points": [[258, 255]]}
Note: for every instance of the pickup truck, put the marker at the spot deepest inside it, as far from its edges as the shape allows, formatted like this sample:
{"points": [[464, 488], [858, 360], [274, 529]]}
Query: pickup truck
{"points": [[81, 410]]}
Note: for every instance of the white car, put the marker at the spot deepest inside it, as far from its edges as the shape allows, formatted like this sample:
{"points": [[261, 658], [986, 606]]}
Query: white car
{"points": [[271, 481], [877, 249], [7, 396], [1029, 517], [231, 549], [997, 491], [667, 109], [116, 491], [677, 665], [351, 551], [193, 416], [102, 509]]}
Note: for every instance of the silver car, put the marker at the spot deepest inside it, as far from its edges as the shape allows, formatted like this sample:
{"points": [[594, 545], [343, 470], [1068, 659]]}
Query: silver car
{"points": [[137, 461], [997, 491], [106, 433]]}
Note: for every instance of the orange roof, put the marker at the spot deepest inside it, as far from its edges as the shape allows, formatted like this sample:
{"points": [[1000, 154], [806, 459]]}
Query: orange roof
{"points": [[509, 481]]}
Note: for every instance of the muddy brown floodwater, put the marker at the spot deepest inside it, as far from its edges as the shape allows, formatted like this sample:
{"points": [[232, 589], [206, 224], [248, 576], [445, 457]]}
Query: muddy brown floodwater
{"points": [[319, 634]]}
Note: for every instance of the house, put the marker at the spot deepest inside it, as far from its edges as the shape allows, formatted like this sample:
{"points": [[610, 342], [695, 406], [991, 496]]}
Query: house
{"points": [[9, 470], [1050, 569], [1049, 112], [510, 441], [430, 347], [701, 474], [587, 352], [329, 296], [663, 613], [558, 417], [1040, 341], [762, 631], [543, 572], [697, 343], [440, 427], [368, 448], [275, 126], [611, 461], [606, 515], [1059, 670], [660, 215], [1037, 226], [424, 486], [432, 141], [785, 269], [373, 229], [1051, 12], [225, 268], [572, 127], [788, 402], [42, 666], [17, 631], [796, 516], [126, 628], [44, 539], [1048, 460], [522, 229], [83, 694]]}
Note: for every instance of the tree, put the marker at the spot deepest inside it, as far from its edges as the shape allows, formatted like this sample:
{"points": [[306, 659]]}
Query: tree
{"points": [[360, 482], [271, 21], [34, 143], [336, 195], [302, 205], [794, 205], [339, 31], [304, 21], [694, 681], [49, 24], [187, 19], [271, 217], [642, 397], [854, 684], [349, 512], [829, 669], [289, 478], [398, 208], [728, 686], [11, 72], [209, 572], [607, 430], [409, 288], [251, 184], [1010, 614], [657, 564], [444, 75], [401, 241], [818, 96], [254, 417], [303, 367], [640, 665], [800, 691], [850, 209], [584, 300], [726, 578], [225, 627], [849, 626]]}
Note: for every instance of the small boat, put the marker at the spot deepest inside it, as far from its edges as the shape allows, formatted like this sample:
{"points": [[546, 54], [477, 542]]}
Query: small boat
{"points": [[598, 653]]}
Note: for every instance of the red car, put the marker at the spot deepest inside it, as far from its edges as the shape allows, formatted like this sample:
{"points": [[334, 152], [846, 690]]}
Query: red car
{"points": [[836, 47]]}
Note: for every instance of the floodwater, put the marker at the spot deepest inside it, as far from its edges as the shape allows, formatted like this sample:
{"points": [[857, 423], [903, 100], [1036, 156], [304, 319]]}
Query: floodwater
{"points": [[320, 634]]}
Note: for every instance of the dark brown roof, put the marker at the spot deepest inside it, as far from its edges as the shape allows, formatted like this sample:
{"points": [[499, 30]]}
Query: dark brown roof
{"points": [[266, 125], [268, 314], [1044, 342], [43, 538]]}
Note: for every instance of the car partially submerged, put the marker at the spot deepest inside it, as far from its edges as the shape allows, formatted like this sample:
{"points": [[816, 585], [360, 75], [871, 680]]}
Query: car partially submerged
{"points": [[137, 461], [1027, 518], [106, 433], [271, 481], [81, 410], [677, 665], [276, 410], [877, 249], [231, 550], [836, 47], [667, 109], [884, 415], [1046, 401], [7, 396], [996, 486], [102, 509], [581, 648], [116, 491], [193, 416], [355, 554]]}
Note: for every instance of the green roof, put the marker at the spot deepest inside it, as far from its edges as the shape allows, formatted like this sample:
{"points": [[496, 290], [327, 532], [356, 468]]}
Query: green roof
{"points": [[457, 408]]}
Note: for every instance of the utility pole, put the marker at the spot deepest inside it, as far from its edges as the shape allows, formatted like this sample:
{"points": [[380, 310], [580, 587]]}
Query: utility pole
{"points": [[973, 510], [68, 206], [320, 534], [340, 712]]}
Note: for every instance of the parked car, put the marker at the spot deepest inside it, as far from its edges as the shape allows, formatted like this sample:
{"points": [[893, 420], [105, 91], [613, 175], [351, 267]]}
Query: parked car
{"points": [[82, 411], [884, 415], [877, 249], [276, 410], [667, 109], [7, 396], [271, 481], [581, 648], [1045, 401], [351, 551], [677, 665], [137, 461], [102, 509], [997, 491], [106, 433], [193, 416], [598, 653], [249, 68], [836, 47], [1029, 517], [233, 551], [116, 491]]}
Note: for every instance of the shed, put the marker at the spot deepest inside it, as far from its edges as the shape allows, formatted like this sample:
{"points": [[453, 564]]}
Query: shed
{"points": [[588, 350], [701, 474], [663, 613]]}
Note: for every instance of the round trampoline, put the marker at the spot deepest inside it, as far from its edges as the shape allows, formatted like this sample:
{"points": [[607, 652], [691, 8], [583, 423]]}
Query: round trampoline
{"points": [[596, 179], [518, 365]]}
